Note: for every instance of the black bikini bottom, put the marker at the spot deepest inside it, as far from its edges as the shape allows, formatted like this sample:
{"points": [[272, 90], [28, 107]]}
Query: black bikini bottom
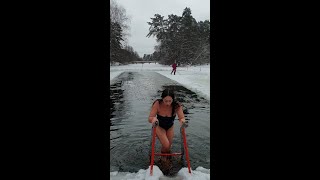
{"points": [[166, 124]]}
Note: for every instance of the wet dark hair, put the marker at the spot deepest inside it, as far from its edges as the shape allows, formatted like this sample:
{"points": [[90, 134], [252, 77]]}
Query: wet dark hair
{"points": [[169, 92]]}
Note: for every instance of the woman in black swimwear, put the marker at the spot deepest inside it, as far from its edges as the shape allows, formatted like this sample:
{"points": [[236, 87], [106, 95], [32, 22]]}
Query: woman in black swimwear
{"points": [[164, 111]]}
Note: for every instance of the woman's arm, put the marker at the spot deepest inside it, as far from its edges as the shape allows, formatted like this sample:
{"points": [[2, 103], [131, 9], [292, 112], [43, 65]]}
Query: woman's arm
{"points": [[181, 115], [152, 116]]}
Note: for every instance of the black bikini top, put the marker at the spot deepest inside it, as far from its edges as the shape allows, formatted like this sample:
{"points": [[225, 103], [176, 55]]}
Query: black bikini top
{"points": [[166, 118]]}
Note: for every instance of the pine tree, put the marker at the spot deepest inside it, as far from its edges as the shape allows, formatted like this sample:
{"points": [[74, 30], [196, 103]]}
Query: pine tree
{"points": [[115, 41], [180, 39]]}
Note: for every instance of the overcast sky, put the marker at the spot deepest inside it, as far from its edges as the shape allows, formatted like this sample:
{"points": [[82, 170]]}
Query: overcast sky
{"points": [[140, 12]]}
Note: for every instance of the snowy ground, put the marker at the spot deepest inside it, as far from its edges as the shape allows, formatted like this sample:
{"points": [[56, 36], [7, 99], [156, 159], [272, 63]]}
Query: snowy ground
{"points": [[199, 173], [195, 78]]}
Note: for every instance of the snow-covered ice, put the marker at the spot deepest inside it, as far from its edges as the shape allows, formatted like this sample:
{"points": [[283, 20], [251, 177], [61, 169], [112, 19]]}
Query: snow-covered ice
{"points": [[199, 173], [195, 78]]}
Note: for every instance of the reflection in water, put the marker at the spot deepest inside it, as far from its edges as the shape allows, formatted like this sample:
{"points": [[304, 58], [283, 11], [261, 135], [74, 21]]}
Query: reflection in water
{"points": [[131, 97], [187, 98], [116, 100]]}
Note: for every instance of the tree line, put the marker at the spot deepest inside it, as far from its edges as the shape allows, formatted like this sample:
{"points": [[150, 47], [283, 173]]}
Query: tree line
{"points": [[180, 39], [119, 51]]}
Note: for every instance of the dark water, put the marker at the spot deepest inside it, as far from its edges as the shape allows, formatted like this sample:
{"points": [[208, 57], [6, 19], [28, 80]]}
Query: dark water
{"points": [[131, 97]]}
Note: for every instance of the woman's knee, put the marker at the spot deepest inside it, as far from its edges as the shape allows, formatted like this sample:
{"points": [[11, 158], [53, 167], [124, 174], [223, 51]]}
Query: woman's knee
{"points": [[166, 147]]}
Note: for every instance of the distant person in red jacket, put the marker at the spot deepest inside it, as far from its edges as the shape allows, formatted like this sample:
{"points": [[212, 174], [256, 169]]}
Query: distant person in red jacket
{"points": [[174, 68]]}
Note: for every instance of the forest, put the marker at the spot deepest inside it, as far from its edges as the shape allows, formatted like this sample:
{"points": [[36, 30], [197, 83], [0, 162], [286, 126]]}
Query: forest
{"points": [[181, 39]]}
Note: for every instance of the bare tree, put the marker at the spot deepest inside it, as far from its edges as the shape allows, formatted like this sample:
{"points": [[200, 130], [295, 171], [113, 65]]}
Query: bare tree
{"points": [[118, 14]]}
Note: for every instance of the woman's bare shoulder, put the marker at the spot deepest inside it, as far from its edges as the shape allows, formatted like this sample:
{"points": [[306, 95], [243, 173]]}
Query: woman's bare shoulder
{"points": [[156, 103]]}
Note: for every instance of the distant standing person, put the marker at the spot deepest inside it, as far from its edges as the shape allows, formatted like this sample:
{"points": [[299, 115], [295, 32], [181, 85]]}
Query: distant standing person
{"points": [[174, 68]]}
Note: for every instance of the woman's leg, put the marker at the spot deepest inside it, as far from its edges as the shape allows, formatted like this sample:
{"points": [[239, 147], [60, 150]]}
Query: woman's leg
{"points": [[162, 136], [170, 133]]}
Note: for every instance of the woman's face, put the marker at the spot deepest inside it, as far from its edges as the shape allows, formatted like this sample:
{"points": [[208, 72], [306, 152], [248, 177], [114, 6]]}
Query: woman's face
{"points": [[167, 100]]}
